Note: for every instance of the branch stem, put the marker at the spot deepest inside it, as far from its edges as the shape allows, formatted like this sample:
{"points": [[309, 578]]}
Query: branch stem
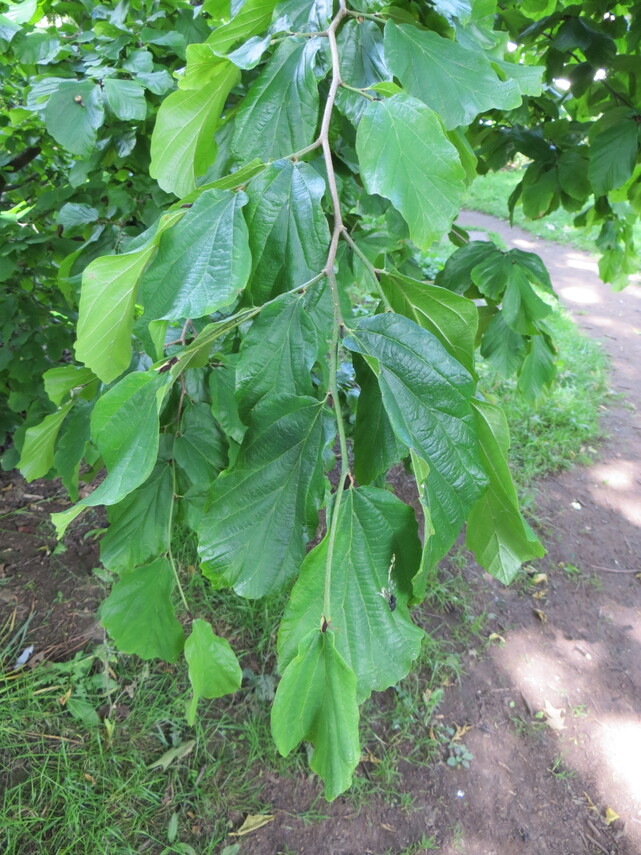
{"points": [[333, 287]]}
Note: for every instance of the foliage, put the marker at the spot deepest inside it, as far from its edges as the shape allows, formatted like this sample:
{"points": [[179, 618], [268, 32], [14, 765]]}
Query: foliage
{"points": [[310, 162]]}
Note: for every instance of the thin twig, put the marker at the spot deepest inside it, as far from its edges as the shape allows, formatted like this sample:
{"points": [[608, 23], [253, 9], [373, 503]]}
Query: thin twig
{"points": [[368, 266]]}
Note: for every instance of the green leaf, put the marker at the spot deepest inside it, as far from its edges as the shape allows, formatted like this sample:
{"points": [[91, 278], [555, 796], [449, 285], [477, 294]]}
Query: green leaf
{"points": [[224, 407], [252, 18], [614, 145], [36, 458], [426, 394], [70, 447], [456, 82], [461, 9], [200, 450], [73, 114], [539, 369], [405, 156], [182, 143], [124, 426], [61, 380], [378, 644], [279, 114], [452, 319], [522, 307], [496, 531], [252, 534], [107, 303], [502, 347], [126, 99], [138, 613], [376, 447], [288, 232], [277, 353], [213, 667], [139, 524], [457, 274], [202, 263], [316, 700], [72, 214], [360, 46]]}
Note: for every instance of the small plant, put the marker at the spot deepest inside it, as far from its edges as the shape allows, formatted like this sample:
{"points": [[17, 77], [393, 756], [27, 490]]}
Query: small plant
{"points": [[460, 755]]}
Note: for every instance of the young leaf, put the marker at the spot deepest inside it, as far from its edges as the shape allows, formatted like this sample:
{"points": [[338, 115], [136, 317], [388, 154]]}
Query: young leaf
{"points": [[405, 156], [252, 18], [426, 394], [107, 302], [457, 82], [36, 458], [61, 380], [139, 524], [139, 615], [279, 114], [252, 534], [124, 426], [277, 353], [182, 144], [202, 263], [213, 667], [496, 531], [378, 644], [316, 700], [288, 233]]}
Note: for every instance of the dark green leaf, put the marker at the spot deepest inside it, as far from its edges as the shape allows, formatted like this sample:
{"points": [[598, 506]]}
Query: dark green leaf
{"points": [[200, 450], [202, 263], [280, 112], [139, 524], [125, 98], [288, 232], [614, 145], [426, 394], [360, 46], [539, 369], [277, 354], [378, 644], [70, 447], [252, 534]]}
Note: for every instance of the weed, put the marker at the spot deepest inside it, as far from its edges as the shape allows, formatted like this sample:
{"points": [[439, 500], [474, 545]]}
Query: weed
{"points": [[560, 770]]}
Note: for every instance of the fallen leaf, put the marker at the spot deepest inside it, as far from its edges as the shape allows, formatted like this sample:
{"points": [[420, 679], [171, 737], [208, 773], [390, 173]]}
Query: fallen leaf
{"points": [[610, 816], [89, 778], [555, 717], [540, 579], [62, 700], [252, 823], [494, 636], [540, 595], [591, 804], [368, 757], [165, 761], [541, 615], [461, 731], [387, 827]]}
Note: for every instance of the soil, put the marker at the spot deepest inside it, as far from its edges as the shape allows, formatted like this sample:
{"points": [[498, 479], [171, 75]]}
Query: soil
{"points": [[552, 703]]}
